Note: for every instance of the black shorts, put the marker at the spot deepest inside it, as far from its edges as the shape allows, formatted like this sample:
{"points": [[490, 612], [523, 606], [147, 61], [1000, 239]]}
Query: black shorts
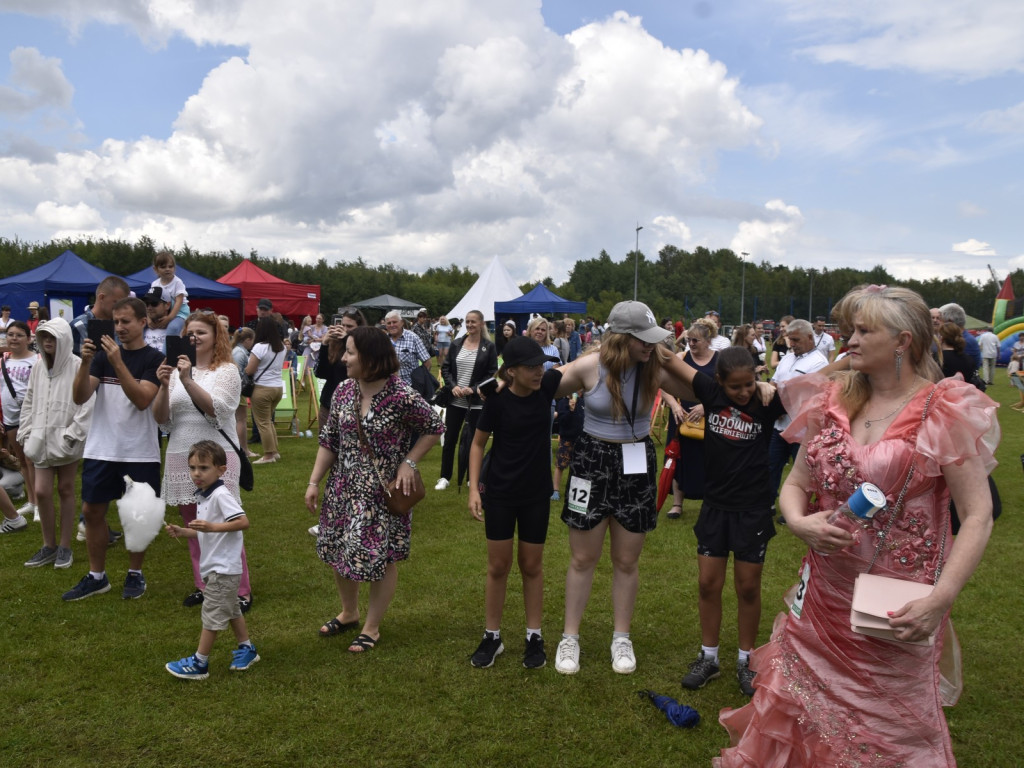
{"points": [[630, 499], [501, 519], [103, 481], [745, 534]]}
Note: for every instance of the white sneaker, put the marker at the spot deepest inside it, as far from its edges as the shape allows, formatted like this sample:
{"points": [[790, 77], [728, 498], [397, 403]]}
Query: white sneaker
{"points": [[26, 509], [12, 524], [81, 531], [314, 530], [441, 485], [567, 656], [623, 660]]}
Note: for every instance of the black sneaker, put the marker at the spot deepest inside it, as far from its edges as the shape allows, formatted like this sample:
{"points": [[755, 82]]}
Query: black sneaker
{"points": [[193, 599], [702, 671], [244, 603], [485, 653], [534, 656], [745, 675]]}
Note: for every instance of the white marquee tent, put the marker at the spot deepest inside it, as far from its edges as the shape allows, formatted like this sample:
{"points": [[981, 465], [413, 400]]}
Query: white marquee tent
{"points": [[495, 284]]}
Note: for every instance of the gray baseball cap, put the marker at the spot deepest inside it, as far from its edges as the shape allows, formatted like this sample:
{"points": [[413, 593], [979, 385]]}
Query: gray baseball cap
{"points": [[636, 319]]}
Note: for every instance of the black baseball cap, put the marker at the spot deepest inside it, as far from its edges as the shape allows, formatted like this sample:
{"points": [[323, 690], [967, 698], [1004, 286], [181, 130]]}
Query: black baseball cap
{"points": [[521, 350]]}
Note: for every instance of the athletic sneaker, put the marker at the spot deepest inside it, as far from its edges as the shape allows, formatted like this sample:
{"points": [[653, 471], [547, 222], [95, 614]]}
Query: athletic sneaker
{"points": [[80, 536], [745, 675], [534, 656], [567, 656], [64, 558], [113, 537], [441, 485], [556, 496], [44, 556], [193, 598], [314, 530], [87, 587], [28, 508], [244, 603], [12, 524], [188, 668], [702, 671], [243, 657], [490, 648], [623, 660], [134, 586]]}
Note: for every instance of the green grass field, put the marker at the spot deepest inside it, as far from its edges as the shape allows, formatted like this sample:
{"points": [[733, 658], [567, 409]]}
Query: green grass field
{"points": [[83, 683]]}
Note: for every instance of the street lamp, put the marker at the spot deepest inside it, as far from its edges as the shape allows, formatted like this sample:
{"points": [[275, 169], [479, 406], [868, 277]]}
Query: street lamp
{"points": [[636, 260], [743, 283]]}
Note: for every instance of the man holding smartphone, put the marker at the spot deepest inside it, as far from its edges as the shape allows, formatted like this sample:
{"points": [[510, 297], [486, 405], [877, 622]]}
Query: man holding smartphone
{"points": [[110, 290], [122, 439]]}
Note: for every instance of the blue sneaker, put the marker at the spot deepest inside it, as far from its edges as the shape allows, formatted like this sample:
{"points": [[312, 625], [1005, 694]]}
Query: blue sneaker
{"points": [[243, 657], [556, 496], [113, 537], [134, 586], [87, 587], [188, 668]]}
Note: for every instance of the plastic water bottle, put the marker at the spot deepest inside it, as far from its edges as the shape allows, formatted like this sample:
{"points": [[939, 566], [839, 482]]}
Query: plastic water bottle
{"points": [[855, 514]]}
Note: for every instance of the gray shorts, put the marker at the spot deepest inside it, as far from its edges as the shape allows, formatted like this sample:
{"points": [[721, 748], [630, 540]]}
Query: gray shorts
{"points": [[220, 600]]}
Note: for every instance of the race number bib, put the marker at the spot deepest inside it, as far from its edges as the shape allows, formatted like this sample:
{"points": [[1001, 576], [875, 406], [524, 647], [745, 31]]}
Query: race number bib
{"points": [[801, 591], [634, 458], [578, 495]]}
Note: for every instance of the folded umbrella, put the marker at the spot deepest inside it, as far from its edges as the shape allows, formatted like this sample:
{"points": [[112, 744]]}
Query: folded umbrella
{"points": [[668, 472], [678, 714]]}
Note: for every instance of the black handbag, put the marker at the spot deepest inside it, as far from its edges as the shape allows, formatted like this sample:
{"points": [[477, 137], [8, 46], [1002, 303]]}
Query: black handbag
{"points": [[249, 381], [442, 397]]}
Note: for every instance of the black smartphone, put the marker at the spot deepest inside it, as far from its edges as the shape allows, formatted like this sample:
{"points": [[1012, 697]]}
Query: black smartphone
{"points": [[178, 346], [488, 387], [97, 329]]}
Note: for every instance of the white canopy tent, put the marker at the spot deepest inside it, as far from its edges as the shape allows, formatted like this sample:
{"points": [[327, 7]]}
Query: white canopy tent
{"points": [[494, 284]]}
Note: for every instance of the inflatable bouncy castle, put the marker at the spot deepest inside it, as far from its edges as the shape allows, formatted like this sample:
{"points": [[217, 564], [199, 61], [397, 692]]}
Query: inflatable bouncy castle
{"points": [[1007, 320]]}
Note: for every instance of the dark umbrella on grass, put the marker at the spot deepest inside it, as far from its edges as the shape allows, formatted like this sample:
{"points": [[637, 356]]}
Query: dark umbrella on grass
{"points": [[465, 442], [678, 714]]}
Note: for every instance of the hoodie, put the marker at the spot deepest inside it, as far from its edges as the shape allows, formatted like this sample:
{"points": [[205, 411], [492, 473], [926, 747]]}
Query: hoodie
{"points": [[53, 429]]}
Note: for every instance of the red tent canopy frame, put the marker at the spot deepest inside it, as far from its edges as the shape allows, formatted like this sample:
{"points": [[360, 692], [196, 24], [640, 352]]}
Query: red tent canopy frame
{"points": [[292, 300]]}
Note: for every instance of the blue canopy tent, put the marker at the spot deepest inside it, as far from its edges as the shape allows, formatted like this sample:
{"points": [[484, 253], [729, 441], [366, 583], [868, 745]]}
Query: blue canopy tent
{"points": [[539, 301], [203, 293], [64, 285]]}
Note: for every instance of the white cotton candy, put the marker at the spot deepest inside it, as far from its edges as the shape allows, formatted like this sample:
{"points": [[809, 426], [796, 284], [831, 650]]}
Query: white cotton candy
{"points": [[142, 515]]}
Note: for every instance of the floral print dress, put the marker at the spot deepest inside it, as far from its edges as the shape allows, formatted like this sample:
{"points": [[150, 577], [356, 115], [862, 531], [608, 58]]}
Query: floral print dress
{"points": [[358, 536]]}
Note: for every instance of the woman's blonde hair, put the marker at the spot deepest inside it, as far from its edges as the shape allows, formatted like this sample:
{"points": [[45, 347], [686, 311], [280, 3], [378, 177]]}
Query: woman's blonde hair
{"points": [[534, 323], [615, 359], [483, 323], [895, 310]]}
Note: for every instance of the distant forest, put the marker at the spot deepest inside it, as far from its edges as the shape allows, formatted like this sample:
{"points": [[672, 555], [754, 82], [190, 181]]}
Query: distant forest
{"points": [[677, 284]]}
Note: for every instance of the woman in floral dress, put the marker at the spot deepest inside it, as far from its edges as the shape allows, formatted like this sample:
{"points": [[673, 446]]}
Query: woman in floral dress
{"points": [[825, 695], [358, 537]]}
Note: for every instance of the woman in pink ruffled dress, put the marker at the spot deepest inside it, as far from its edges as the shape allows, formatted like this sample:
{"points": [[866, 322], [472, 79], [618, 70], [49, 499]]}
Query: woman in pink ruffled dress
{"points": [[825, 695]]}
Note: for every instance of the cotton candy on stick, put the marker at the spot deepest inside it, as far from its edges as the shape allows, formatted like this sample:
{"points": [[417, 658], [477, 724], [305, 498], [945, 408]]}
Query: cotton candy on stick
{"points": [[142, 515]]}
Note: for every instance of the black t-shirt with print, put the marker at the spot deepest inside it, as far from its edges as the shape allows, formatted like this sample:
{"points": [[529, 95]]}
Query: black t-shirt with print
{"points": [[520, 465], [736, 448]]}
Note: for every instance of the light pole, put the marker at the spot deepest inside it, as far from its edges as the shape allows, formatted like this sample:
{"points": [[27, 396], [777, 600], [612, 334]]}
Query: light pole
{"points": [[636, 260], [810, 295], [743, 283]]}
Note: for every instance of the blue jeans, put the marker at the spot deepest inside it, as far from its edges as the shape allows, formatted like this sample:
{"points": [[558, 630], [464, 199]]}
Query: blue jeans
{"points": [[779, 454]]}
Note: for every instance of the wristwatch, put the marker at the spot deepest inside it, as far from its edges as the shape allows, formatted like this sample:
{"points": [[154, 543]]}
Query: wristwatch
{"points": [[412, 464]]}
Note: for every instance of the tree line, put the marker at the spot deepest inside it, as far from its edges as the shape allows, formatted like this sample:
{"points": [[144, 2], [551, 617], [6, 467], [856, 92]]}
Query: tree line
{"points": [[679, 284]]}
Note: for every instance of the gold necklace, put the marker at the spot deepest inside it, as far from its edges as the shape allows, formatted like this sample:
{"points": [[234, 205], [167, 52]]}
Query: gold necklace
{"points": [[869, 422]]}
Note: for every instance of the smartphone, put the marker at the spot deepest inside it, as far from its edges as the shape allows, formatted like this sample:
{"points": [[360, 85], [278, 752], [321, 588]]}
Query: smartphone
{"points": [[488, 387], [178, 346], [97, 329]]}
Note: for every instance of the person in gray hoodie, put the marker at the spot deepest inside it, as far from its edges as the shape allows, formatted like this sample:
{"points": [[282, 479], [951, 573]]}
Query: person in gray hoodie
{"points": [[52, 433]]}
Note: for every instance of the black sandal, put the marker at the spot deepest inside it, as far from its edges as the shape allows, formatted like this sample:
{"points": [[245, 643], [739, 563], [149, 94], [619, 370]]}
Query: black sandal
{"points": [[364, 643], [336, 627]]}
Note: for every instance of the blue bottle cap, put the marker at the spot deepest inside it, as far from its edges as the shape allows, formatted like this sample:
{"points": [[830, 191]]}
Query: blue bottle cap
{"points": [[866, 500]]}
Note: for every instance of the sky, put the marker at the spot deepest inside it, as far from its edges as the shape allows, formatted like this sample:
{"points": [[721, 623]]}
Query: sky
{"points": [[806, 133]]}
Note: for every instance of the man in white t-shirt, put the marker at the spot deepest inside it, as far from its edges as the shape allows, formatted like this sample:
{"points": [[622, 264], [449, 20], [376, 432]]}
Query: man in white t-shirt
{"points": [[988, 342], [804, 357], [718, 341], [122, 439], [823, 341]]}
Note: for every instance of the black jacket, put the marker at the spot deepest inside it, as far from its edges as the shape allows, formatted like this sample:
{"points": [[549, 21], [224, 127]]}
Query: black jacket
{"points": [[485, 367]]}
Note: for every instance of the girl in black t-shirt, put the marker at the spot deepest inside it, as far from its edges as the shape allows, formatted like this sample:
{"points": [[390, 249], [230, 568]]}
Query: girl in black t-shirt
{"points": [[516, 490], [736, 514]]}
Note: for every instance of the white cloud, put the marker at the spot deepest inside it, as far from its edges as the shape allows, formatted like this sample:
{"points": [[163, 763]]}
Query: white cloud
{"points": [[974, 247], [970, 210], [36, 82], [672, 230], [386, 131], [769, 235], [1008, 121], [951, 38], [71, 218]]}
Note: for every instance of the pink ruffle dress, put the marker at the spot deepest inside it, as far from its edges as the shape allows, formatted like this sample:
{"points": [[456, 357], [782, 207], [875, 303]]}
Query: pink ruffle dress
{"points": [[825, 695]]}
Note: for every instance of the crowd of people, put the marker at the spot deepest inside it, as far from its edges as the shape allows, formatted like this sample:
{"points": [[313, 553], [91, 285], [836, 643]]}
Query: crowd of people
{"points": [[894, 398]]}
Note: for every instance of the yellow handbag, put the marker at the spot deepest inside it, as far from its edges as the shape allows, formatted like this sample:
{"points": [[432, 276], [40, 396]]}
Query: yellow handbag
{"points": [[693, 430]]}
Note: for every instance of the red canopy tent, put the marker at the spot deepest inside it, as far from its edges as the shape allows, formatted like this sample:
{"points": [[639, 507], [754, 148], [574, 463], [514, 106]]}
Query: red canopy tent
{"points": [[290, 299]]}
